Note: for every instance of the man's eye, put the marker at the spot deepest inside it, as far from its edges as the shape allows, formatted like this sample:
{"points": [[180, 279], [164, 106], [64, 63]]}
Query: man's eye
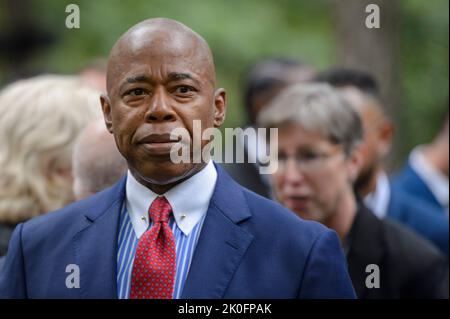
{"points": [[136, 92], [184, 89]]}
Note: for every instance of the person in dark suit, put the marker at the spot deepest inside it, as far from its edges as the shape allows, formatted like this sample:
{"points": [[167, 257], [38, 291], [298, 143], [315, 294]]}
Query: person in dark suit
{"points": [[318, 162], [408, 267], [419, 216], [167, 229], [262, 82], [425, 175], [381, 195]]}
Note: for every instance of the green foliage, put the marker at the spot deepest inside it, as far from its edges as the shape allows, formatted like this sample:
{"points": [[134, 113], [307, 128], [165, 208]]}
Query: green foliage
{"points": [[424, 64], [242, 31]]}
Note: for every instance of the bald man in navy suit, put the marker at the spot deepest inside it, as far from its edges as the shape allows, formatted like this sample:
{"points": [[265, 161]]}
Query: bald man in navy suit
{"points": [[230, 242]]}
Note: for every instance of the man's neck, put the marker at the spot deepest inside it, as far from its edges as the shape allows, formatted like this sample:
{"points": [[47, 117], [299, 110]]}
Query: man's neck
{"points": [[163, 188]]}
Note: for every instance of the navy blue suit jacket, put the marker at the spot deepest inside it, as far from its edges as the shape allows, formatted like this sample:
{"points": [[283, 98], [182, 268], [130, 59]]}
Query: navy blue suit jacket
{"points": [[249, 247], [425, 219], [411, 183]]}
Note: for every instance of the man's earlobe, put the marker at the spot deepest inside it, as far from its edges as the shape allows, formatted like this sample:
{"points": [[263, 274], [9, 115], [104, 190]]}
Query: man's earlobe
{"points": [[386, 135], [106, 108], [220, 104]]}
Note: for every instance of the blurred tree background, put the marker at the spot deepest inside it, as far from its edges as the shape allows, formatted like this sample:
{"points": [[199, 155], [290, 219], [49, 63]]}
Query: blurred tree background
{"points": [[408, 54]]}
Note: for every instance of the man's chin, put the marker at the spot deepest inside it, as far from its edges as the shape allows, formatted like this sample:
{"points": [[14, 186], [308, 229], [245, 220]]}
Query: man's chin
{"points": [[165, 173], [364, 177]]}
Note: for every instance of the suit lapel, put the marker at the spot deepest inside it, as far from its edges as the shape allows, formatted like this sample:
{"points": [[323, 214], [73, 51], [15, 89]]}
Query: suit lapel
{"points": [[222, 242], [95, 244]]}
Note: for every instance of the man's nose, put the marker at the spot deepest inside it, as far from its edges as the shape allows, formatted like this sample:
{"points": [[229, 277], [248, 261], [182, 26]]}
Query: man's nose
{"points": [[160, 109]]}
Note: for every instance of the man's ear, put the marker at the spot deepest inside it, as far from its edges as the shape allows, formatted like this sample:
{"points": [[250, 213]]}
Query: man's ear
{"points": [[385, 136], [220, 107], [106, 108]]}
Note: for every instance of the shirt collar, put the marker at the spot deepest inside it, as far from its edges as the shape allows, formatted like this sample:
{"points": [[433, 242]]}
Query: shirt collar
{"points": [[433, 178], [378, 200], [189, 200]]}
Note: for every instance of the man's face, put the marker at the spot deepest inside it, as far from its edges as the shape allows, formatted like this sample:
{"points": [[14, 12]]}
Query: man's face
{"points": [[369, 144], [313, 173], [376, 143], [156, 88], [378, 134]]}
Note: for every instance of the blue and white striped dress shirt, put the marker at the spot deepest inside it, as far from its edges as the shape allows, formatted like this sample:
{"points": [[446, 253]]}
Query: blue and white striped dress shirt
{"points": [[189, 200], [185, 246]]}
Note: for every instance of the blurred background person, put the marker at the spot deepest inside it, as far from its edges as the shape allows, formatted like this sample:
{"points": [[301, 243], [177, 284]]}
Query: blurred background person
{"points": [[318, 163], [97, 163], [267, 77], [262, 82], [425, 175], [94, 74], [40, 119], [361, 90]]}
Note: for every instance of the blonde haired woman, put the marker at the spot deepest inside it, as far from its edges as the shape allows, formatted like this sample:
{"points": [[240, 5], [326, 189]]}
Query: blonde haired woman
{"points": [[40, 119]]}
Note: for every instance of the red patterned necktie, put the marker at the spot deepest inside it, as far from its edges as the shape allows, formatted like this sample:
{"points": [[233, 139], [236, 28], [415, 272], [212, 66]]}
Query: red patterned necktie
{"points": [[154, 267]]}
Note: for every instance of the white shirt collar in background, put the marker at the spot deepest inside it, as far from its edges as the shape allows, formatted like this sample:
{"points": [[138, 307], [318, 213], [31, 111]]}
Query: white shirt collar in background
{"points": [[378, 200], [433, 178]]}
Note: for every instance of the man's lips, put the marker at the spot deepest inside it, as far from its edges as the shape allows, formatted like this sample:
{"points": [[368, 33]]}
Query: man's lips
{"points": [[157, 144], [157, 139]]}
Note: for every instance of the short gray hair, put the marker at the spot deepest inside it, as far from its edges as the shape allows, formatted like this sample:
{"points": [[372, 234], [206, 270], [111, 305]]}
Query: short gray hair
{"points": [[315, 107]]}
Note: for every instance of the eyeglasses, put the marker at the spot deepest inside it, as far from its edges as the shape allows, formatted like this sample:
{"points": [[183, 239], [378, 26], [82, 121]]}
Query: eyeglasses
{"points": [[308, 160]]}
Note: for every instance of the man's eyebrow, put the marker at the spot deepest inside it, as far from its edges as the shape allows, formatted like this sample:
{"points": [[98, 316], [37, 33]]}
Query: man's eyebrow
{"points": [[134, 79], [138, 78], [174, 76]]}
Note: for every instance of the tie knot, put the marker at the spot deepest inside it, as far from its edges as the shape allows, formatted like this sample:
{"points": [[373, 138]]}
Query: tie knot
{"points": [[160, 210]]}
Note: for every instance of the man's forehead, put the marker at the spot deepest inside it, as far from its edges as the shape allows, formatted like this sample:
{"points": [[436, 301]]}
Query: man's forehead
{"points": [[159, 50], [161, 37], [364, 104], [153, 70], [150, 50], [160, 41]]}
